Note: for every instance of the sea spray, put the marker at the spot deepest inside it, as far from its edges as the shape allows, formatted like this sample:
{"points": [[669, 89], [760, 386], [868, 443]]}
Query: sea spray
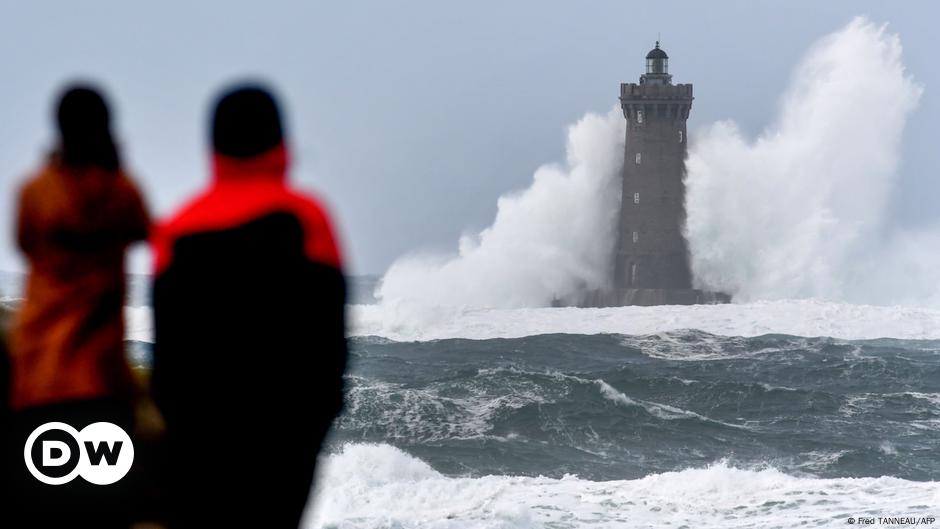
{"points": [[549, 240], [801, 211]]}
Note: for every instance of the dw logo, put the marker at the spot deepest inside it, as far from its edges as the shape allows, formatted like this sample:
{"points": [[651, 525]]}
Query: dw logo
{"points": [[102, 453]]}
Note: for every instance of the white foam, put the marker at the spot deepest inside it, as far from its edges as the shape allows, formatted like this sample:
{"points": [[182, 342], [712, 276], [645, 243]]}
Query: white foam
{"points": [[803, 209], [662, 411], [552, 239], [805, 317], [793, 317], [138, 324], [868, 402], [933, 398], [367, 486]]}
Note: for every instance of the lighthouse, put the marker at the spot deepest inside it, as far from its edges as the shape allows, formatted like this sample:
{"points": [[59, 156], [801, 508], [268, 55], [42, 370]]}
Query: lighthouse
{"points": [[651, 251], [651, 258]]}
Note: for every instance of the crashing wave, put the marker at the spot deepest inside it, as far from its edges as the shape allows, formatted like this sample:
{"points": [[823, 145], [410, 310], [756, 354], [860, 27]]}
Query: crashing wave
{"points": [[366, 486]]}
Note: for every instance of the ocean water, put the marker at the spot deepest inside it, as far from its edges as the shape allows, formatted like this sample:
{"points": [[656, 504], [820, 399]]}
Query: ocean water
{"points": [[773, 414], [768, 414], [679, 429], [610, 407]]}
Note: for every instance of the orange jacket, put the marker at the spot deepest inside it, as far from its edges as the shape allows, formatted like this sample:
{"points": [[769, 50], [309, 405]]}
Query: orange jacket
{"points": [[74, 226]]}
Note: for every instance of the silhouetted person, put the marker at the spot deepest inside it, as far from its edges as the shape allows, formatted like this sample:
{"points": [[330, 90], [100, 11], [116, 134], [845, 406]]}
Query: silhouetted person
{"points": [[76, 218], [250, 343]]}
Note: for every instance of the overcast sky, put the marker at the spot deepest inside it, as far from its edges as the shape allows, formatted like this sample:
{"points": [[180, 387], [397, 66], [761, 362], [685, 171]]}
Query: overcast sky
{"points": [[413, 117]]}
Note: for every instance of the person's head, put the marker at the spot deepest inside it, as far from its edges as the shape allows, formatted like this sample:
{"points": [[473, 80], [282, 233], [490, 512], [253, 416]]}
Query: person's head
{"points": [[84, 124], [246, 122]]}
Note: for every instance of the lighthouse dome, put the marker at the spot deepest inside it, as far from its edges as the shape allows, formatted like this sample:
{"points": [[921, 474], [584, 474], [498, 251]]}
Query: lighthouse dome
{"points": [[657, 53], [657, 62]]}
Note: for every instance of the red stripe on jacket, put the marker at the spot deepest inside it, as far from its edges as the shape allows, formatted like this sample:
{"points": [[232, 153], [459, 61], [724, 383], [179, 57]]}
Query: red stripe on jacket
{"points": [[244, 190]]}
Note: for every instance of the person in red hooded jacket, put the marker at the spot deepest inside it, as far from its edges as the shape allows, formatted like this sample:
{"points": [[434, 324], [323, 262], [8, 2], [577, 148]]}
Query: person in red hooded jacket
{"points": [[249, 344]]}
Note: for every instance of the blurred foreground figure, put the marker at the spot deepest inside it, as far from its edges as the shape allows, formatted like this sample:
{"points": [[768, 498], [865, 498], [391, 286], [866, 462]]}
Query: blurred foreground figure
{"points": [[250, 346], [77, 216]]}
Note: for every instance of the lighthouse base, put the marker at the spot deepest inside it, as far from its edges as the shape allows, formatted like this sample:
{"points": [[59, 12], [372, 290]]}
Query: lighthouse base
{"points": [[644, 297]]}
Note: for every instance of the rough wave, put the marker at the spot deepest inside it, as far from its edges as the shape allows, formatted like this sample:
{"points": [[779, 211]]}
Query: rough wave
{"points": [[661, 411], [366, 486], [622, 407]]}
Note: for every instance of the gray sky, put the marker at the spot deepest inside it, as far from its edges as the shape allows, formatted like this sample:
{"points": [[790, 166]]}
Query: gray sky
{"points": [[413, 117]]}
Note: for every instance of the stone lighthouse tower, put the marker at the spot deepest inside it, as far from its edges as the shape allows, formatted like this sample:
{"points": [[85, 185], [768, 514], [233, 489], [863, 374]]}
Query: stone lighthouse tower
{"points": [[652, 252], [651, 264]]}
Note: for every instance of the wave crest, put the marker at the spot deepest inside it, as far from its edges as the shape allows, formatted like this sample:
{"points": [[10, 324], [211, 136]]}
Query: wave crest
{"points": [[380, 486]]}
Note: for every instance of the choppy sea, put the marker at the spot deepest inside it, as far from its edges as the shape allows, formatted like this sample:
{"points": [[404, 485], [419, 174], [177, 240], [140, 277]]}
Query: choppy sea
{"points": [[677, 429], [775, 414]]}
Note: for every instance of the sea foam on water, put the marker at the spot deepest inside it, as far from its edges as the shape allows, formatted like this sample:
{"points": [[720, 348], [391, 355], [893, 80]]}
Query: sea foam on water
{"points": [[807, 317], [367, 486]]}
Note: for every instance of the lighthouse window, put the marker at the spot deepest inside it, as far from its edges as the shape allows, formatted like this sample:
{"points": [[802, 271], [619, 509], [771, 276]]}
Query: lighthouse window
{"points": [[636, 198], [633, 274], [680, 136], [638, 158], [636, 236], [639, 116]]}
